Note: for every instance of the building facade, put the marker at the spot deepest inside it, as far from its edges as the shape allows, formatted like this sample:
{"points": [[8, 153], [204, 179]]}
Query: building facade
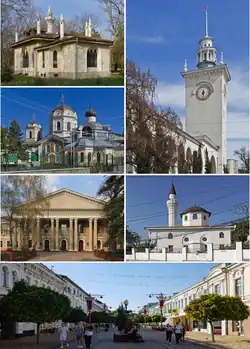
{"points": [[224, 279], [51, 53], [67, 221], [39, 275]]}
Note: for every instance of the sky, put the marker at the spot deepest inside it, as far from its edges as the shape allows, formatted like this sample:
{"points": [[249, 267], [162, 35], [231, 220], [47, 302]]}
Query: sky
{"points": [[94, 8], [147, 195], [23, 104], [120, 281], [166, 33], [88, 185]]}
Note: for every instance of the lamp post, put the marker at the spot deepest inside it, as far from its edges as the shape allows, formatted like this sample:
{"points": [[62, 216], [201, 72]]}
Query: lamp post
{"points": [[89, 301], [161, 297], [126, 304]]}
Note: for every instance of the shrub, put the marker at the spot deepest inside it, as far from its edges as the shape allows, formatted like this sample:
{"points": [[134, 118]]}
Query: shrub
{"points": [[6, 74], [39, 82]]}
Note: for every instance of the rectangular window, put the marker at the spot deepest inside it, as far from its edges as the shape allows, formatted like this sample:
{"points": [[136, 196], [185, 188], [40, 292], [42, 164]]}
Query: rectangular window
{"points": [[170, 248], [43, 59], [238, 287], [1, 243], [217, 289], [63, 229], [8, 244]]}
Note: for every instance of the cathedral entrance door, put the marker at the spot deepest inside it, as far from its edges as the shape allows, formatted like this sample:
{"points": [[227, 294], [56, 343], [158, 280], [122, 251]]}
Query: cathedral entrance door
{"points": [[80, 245], [63, 245], [46, 245]]}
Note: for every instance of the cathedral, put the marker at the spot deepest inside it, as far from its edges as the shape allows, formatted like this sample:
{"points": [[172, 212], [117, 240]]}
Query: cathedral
{"points": [[195, 232], [47, 52], [75, 145]]}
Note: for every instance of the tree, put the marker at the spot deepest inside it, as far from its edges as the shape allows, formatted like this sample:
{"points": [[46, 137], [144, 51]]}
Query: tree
{"points": [[243, 155], [75, 315], [241, 231], [113, 191], [26, 303], [158, 318], [77, 24], [213, 307], [199, 161], [15, 137], [121, 319], [132, 238], [151, 131], [23, 196], [207, 163]]}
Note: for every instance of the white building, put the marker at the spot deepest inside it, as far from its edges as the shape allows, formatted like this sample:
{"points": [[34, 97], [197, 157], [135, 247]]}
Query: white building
{"points": [[39, 275], [224, 279], [52, 52]]}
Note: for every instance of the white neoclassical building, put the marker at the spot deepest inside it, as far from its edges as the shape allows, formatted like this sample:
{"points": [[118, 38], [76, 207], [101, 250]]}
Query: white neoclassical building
{"points": [[39, 275], [52, 52], [194, 240], [206, 99], [231, 279]]}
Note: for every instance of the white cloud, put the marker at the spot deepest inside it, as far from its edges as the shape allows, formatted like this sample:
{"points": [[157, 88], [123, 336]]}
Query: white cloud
{"points": [[148, 39], [170, 94], [52, 182], [238, 89]]}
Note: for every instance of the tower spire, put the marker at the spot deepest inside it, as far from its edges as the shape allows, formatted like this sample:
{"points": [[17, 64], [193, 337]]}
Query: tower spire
{"points": [[206, 34], [34, 116], [62, 98]]}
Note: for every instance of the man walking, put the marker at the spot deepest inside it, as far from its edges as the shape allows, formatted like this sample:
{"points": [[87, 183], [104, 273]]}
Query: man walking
{"points": [[63, 332], [88, 333], [178, 332], [169, 332]]}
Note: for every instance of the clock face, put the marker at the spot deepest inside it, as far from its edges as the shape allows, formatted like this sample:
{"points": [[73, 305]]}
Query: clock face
{"points": [[203, 92]]}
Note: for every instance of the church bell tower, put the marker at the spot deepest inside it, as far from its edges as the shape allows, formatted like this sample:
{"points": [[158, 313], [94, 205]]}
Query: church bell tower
{"points": [[206, 97]]}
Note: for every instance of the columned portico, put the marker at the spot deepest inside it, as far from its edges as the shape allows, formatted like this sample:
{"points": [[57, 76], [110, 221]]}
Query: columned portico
{"points": [[57, 235], [90, 235], [75, 235], [52, 222], [95, 234], [38, 240], [71, 234]]}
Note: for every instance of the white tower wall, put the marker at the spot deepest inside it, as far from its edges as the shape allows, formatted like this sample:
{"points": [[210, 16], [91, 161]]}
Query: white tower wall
{"points": [[172, 205]]}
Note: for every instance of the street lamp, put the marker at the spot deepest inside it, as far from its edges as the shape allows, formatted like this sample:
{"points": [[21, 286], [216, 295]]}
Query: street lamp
{"points": [[126, 304], [161, 297], [89, 301]]}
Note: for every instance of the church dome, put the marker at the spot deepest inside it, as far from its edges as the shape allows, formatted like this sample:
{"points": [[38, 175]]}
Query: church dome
{"points": [[195, 209], [33, 123], [90, 112], [63, 107]]}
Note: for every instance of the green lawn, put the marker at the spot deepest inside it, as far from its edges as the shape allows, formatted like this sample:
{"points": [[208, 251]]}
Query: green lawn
{"points": [[19, 80]]}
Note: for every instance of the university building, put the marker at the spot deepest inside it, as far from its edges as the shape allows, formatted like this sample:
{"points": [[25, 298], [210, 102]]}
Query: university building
{"points": [[66, 221]]}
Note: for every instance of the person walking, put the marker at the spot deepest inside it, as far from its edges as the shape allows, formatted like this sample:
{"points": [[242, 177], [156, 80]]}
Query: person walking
{"points": [[178, 332], [169, 332], [88, 333], [183, 332], [63, 332], [78, 335]]}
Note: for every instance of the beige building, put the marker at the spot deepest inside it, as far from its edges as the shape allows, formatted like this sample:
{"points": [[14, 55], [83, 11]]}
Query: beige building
{"points": [[68, 221], [51, 52]]}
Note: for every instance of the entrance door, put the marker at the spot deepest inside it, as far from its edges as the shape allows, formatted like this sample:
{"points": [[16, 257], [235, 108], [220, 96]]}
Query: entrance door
{"points": [[80, 245], [63, 245], [46, 245]]}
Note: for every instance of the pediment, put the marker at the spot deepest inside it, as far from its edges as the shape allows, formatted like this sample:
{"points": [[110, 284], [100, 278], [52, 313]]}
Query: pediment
{"points": [[65, 199]]}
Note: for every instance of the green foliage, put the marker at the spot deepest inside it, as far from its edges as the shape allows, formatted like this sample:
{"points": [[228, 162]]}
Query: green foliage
{"points": [[197, 161], [39, 82], [26, 303], [132, 238], [158, 318], [113, 190], [6, 74], [15, 138], [100, 316], [208, 167], [4, 138], [121, 319], [213, 307], [241, 231], [75, 315]]}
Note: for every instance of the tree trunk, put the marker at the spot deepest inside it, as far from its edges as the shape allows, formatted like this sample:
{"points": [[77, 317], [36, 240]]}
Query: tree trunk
{"points": [[38, 334], [212, 331]]}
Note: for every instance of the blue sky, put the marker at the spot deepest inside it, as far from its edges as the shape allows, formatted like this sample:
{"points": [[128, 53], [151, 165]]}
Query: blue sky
{"points": [[22, 103], [120, 281], [165, 33], [147, 196], [71, 9], [85, 184]]}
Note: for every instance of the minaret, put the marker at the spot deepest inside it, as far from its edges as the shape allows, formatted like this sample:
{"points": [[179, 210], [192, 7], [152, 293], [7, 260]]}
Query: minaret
{"points": [[88, 28], [61, 27], [172, 205], [16, 36], [38, 24], [50, 19], [206, 55]]}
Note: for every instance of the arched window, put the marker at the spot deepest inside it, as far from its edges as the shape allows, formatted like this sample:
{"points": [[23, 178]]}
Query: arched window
{"points": [[186, 218], [5, 276], [91, 58], [89, 159], [30, 136], [205, 56], [68, 126], [55, 59], [33, 61], [30, 244], [221, 235], [98, 157], [195, 216], [170, 236], [58, 126], [14, 277], [57, 148], [205, 217], [87, 131], [48, 148], [25, 58], [82, 157], [43, 59]]}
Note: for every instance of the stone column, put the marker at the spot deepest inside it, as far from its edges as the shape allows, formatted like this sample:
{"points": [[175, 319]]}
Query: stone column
{"points": [[52, 228], [95, 234], [90, 235], [19, 240], [75, 234], [38, 238], [70, 247], [57, 235]]}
